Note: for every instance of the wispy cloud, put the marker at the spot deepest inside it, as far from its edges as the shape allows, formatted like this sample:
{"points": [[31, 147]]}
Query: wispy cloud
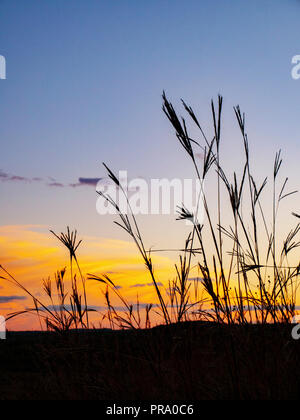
{"points": [[92, 182], [124, 309], [138, 285], [6, 177], [56, 184], [50, 181], [6, 299], [101, 308]]}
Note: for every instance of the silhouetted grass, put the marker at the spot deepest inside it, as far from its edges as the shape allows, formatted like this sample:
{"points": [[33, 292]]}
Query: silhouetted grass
{"points": [[228, 284], [244, 283], [250, 281]]}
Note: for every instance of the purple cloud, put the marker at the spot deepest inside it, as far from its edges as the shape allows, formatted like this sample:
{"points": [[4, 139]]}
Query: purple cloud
{"points": [[50, 181], [6, 299], [14, 178], [138, 285], [56, 184], [4, 176], [89, 181], [86, 182]]}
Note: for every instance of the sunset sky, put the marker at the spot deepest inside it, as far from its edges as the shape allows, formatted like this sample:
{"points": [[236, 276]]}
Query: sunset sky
{"points": [[84, 84]]}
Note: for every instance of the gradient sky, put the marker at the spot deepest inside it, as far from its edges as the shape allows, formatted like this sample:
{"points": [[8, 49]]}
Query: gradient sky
{"points": [[84, 83]]}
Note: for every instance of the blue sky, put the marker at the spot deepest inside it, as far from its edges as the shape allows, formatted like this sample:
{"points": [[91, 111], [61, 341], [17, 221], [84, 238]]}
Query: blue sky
{"points": [[84, 83]]}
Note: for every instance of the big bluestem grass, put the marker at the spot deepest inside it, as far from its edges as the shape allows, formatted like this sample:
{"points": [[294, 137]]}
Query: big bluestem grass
{"points": [[233, 295], [251, 281], [243, 272], [65, 304]]}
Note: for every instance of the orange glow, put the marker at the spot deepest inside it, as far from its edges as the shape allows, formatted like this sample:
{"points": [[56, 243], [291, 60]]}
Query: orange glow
{"points": [[31, 254]]}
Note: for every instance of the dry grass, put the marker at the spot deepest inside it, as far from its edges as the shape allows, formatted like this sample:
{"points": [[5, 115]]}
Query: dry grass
{"points": [[243, 297], [251, 281]]}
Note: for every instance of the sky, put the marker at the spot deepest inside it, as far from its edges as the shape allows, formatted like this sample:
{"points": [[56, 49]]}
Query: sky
{"points": [[83, 86]]}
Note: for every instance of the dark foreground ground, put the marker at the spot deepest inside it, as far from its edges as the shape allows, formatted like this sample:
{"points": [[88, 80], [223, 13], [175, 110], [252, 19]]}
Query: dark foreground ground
{"points": [[191, 361]]}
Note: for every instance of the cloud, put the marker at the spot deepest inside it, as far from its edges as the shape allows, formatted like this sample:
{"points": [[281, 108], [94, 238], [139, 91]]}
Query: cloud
{"points": [[123, 308], [6, 299], [56, 184], [100, 308], [5, 177], [195, 279], [138, 285], [105, 181], [92, 182], [18, 178], [50, 181], [89, 181]]}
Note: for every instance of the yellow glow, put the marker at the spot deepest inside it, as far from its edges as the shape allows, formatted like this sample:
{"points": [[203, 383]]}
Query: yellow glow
{"points": [[31, 254]]}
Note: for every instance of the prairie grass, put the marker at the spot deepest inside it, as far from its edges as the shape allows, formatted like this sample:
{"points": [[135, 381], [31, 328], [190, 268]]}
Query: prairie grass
{"points": [[65, 306], [224, 331], [249, 282], [243, 271]]}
